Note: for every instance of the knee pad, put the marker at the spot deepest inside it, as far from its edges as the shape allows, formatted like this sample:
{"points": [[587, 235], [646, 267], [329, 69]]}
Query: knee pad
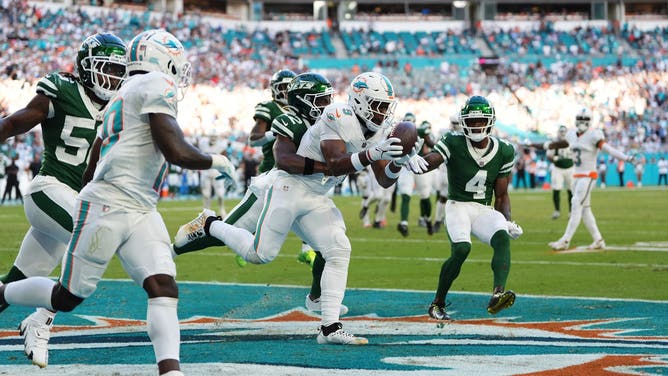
{"points": [[461, 250], [64, 301]]}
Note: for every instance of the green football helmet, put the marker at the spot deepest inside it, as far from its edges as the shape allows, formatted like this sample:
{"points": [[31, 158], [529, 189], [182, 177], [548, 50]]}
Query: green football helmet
{"points": [[409, 117], [101, 64], [279, 84], [477, 107], [424, 128], [308, 94]]}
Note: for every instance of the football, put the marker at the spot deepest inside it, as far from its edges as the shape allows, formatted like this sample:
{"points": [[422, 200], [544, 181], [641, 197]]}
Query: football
{"points": [[407, 133]]}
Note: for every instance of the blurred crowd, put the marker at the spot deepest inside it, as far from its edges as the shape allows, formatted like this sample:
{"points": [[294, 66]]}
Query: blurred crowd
{"points": [[232, 68]]}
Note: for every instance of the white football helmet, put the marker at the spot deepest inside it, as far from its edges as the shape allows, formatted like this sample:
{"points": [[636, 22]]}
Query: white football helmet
{"points": [[371, 96], [159, 50], [583, 120]]}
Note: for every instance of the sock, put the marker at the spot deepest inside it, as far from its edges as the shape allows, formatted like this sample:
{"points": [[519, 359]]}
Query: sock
{"points": [[237, 239], [590, 223], [425, 208], [13, 275], [333, 284], [316, 272], [556, 199], [405, 206], [162, 324], [570, 198], [450, 270], [30, 292], [500, 242]]}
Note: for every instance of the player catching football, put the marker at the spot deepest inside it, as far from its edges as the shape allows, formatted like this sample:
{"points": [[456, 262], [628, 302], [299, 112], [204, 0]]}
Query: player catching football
{"points": [[347, 137], [479, 167]]}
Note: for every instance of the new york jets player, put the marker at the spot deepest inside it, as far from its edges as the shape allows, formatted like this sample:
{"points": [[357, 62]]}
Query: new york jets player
{"points": [[585, 142], [423, 183], [562, 172], [116, 211], [479, 167], [347, 137], [67, 107]]}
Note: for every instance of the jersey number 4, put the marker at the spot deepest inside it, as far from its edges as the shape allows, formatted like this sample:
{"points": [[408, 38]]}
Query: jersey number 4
{"points": [[476, 185]]}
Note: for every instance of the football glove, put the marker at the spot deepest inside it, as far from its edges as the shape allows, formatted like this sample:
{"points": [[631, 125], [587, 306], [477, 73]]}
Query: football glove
{"points": [[226, 169], [387, 149], [514, 230], [633, 159], [415, 163]]}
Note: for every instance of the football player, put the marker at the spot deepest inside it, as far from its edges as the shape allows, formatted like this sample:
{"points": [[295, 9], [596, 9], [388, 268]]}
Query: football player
{"points": [[68, 107], [116, 212], [584, 142], [562, 172], [347, 137], [479, 167], [423, 183], [307, 95]]}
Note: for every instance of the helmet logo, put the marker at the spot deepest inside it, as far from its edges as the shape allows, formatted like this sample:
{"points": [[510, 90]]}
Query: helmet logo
{"points": [[388, 87], [359, 85], [171, 46]]}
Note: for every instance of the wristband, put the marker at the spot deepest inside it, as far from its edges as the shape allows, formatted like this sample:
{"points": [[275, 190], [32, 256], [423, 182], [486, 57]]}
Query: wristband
{"points": [[355, 160], [389, 173], [546, 145], [308, 166]]}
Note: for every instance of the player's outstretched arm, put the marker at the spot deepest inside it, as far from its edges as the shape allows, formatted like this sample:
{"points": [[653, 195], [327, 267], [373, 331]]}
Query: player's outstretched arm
{"points": [[168, 136], [340, 162], [23, 120], [617, 153], [285, 154], [260, 134], [502, 199]]}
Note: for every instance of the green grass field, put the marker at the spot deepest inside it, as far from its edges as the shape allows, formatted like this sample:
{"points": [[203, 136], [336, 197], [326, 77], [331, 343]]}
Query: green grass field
{"points": [[383, 259]]}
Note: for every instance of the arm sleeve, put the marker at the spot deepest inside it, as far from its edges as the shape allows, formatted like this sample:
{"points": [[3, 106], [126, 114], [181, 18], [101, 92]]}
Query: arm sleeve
{"points": [[613, 152]]}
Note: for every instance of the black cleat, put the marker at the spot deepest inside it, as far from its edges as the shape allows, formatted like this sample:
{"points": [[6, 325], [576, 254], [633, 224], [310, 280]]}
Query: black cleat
{"points": [[501, 300], [363, 212], [403, 229], [430, 228], [438, 313]]}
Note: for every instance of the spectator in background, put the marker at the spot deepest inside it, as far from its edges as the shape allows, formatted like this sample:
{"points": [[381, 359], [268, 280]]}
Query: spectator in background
{"points": [[541, 171], [602, 170], [35, 165], [520, 166], [250, 165], [621, 166], [639, 169], [12, 172], [663, 170]]}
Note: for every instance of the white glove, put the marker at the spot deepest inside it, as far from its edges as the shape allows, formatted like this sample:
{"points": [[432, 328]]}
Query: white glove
{"points": [[514, 230], [387, 150], [226, 169], [632, 159], [415, 163]]}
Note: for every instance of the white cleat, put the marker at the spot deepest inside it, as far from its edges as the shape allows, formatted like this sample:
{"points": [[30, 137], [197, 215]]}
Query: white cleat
{"points": [[36, 332], [193, 230], [340, 337], [314, 305], [597, 244], [556, 214], [559, 245]]}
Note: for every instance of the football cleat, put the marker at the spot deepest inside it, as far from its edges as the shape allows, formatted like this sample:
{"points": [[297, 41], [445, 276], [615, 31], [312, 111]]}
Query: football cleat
{"points": [[556, 214], [36, 332], [438, 313], [430, 227], [193, 230], [403, 229], [597, 244], [307, 257], [500, 300], [437, 226], [559, 245], [314, 305], [421, 222], [340, 337], [241, 262]]}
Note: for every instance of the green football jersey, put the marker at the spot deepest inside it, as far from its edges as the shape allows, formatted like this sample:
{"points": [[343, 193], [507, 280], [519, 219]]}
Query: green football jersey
{"points": [[472, 172], [69, 130], [267, 111], [290, 126], [564, 158]]}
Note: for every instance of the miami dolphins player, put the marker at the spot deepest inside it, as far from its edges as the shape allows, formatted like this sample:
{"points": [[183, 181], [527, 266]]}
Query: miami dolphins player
{"points": [[347, 137], [117, 210], [479, 167], [68, 107], [307, 94], [584, 141]]}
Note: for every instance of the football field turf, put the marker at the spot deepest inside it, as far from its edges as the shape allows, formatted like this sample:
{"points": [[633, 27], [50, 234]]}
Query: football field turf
{"points": [[392, 280]]}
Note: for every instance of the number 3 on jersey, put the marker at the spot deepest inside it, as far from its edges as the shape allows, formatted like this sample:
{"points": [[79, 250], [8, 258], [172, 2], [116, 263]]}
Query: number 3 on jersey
{"points": [[476, 185], [112, 125]]}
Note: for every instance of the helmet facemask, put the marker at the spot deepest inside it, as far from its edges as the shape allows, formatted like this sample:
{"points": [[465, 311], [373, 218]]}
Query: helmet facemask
{"points": [[477, 118], [582, 122], [315, 103], [279, 85], [101, 64], [371, 96]]}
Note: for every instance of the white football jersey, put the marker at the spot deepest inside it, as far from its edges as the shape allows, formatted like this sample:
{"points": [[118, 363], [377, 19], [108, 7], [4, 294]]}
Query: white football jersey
{"points": [[585, 149], [337, 122], [131, 168]]}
